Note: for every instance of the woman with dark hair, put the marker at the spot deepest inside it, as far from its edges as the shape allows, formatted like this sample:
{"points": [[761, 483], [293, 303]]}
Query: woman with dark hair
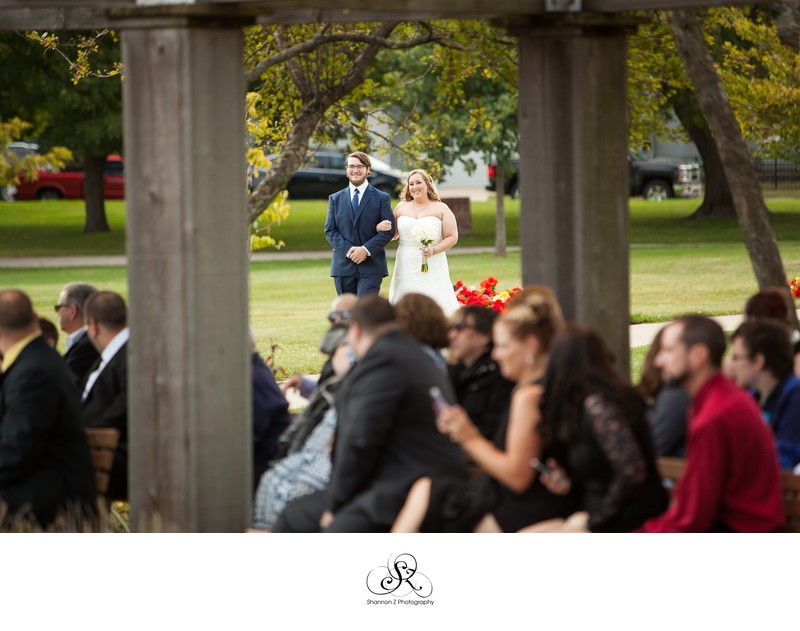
{"points": [[505, 496], [667, 406], [595, 425], [772, 303], [423, 319]]}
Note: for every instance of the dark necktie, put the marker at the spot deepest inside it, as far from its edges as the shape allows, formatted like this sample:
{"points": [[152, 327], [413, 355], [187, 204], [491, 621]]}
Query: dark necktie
{"points": [[355, 203]]}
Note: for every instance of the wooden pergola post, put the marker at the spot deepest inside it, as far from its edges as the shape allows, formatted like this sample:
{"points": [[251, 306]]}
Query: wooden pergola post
{"points": [[189, 361], [573, 144]]}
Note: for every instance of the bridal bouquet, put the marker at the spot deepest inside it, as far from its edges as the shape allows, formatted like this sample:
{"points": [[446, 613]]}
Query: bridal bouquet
{"points": [[425, 235]]}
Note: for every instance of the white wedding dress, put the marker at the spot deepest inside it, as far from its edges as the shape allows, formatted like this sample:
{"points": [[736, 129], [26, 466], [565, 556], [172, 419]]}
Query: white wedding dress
{"points": [[408, 277]]}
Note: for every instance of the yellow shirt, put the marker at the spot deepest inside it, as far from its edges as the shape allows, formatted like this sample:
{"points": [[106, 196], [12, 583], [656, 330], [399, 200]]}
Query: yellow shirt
{"points": [[13, 352]]}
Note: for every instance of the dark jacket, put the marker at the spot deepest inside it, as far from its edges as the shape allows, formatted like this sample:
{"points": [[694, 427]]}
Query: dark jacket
{"points": [[270, 416], [343, 230], [107, 406], [483, 392], [386, 435], [44, 457], [81, 357]]}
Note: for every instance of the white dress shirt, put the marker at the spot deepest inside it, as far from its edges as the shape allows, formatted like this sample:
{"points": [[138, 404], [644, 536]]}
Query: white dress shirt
{"points": [[361, 190], [73, 337]]}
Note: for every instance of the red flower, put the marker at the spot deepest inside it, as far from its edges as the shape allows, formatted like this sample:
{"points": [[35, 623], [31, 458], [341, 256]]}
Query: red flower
{"points": [[485, 295]]}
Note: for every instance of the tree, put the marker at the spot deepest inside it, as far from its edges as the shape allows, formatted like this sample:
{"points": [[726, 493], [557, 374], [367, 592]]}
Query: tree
{"points": [[748, 199], [758, 74], [67, 104], [13, 166]]}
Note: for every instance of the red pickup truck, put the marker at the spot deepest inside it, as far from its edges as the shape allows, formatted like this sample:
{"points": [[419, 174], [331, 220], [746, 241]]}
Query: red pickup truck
{"points": [[68, 184]]}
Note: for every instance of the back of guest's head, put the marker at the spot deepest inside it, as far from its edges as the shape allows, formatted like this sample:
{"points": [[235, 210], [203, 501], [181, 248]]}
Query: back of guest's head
{"points": [[49, 331], [650, 380], [423, 319], [580, 364], [16, 311], [108, 309], [697, 329], [77, 294], [480, 319], [770, 339], [433, 194], [769, 303], [372, 312], [534, 311]]}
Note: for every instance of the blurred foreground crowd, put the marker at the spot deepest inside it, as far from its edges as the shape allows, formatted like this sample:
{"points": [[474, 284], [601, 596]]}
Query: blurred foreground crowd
{"points": [[484, 422]]}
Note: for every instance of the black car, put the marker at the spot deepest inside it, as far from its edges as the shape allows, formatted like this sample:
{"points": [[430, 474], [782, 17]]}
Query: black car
{"points": [[323, 173]]}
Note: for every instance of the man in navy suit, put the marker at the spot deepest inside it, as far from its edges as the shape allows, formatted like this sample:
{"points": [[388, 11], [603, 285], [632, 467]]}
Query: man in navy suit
{"points": [[359, 261]]}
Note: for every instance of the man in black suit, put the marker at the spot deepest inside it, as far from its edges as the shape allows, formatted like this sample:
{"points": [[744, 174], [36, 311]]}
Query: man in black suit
{"points": [[386, 435], [358, 265], [105, 388], [45, 461], [80, 354]]}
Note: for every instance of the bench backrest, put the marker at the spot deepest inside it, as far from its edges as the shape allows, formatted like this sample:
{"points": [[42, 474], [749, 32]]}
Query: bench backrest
{"points": [[672, 469], [102, 443]]}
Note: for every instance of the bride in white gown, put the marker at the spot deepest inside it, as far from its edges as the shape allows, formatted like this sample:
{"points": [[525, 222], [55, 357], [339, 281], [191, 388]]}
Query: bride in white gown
{"points": [[421, 209]]}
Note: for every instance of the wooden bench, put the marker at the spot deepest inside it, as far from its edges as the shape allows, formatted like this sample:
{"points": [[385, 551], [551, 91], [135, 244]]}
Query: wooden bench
{"points": [[102, 443], [672, 469]]}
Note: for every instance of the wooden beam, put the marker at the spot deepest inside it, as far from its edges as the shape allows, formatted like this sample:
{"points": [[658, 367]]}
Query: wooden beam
{"points": [[190, 401], [90, 14], [573, 148]]}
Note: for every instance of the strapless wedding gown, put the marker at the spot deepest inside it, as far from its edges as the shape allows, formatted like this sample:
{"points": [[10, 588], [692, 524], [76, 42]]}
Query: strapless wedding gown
{"points": [[408, 277]]}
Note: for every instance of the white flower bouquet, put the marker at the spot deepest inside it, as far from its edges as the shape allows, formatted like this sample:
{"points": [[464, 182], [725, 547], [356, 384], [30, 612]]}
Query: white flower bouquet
{"points": [[425, 235]]}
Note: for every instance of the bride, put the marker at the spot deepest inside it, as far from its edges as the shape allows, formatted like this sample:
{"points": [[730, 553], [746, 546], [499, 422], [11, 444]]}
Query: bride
{"points": [[427, 229]]}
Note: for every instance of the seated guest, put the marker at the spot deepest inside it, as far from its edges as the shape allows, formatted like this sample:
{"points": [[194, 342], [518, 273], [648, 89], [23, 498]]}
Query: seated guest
{"points": [[423, 319], [45, 463], [480, 387], [773, 303], [105, 388], [333, 338], [667, 406], [306, 468], [506, 496], [49, 332], [80, 354], [596, 425], [731, 481], [270, 414], [762, 361], [386, 433]]}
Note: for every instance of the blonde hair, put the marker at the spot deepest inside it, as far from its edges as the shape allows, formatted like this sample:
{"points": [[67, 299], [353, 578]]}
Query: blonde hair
{"points": [[433, 194], [534, 311]]}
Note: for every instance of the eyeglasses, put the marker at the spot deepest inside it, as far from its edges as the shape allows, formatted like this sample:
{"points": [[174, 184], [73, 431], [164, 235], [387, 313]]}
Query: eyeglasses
{"points": [[56, 308], [355, 167], [338, 315], [460, 326]]}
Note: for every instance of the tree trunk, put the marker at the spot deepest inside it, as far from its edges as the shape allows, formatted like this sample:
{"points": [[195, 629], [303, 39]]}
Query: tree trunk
{"points": [[717, 198], [748, 200], [94, 194], [787, 15], [500, 217]]}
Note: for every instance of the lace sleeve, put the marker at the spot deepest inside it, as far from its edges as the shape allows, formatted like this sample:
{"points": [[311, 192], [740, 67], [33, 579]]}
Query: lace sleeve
{"points": [[619, 444]]}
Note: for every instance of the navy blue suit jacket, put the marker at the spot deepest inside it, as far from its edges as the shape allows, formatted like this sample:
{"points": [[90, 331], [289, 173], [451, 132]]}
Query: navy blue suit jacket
{"points": [[343, 231]]}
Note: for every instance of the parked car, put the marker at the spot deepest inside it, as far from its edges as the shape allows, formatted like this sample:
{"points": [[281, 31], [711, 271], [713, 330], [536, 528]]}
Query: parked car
{"points": [[654, 179], [323, 173], [68, 183], [20, 151]]}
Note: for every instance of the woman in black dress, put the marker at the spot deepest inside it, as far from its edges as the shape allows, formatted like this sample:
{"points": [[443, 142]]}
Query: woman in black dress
{"points": [[505, 496], [594, 425]]}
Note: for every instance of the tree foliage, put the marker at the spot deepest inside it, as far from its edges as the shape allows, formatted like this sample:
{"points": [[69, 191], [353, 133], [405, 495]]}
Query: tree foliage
{"points": [[14, 167]]}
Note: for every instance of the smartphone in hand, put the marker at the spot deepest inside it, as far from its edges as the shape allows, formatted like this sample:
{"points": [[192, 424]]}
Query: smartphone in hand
{"points": [[439, 402], [541, 467]]}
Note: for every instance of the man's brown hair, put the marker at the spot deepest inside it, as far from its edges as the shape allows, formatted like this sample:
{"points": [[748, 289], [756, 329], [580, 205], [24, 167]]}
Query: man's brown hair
{"points": [[362, 157], [107, 308], [16, 310]]}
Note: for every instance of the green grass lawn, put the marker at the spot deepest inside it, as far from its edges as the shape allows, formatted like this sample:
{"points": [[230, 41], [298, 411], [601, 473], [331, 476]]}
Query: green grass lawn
{"points": [[677, 266]]}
